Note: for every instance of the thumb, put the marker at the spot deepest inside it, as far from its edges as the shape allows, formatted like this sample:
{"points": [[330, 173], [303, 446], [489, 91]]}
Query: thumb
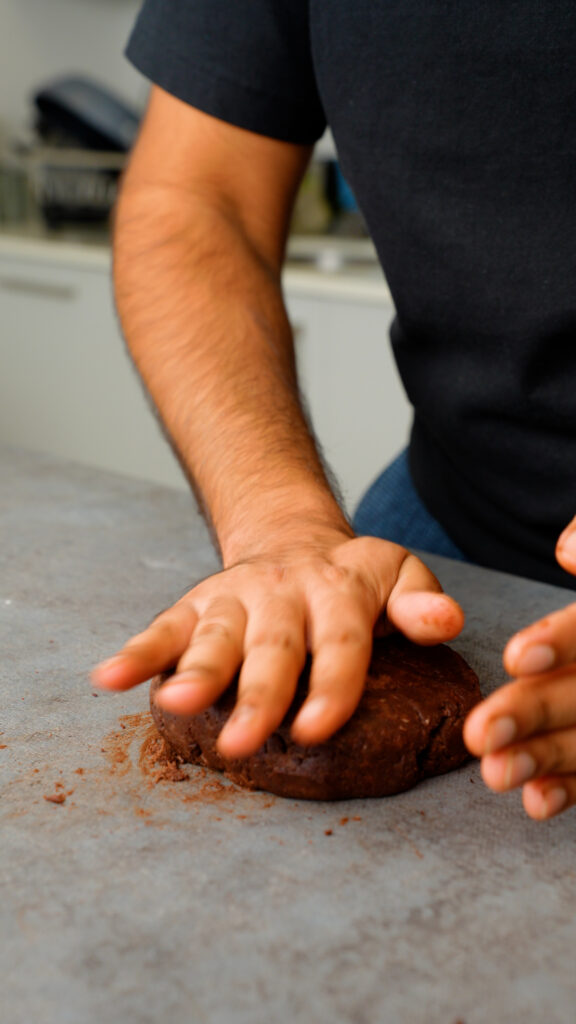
{"points": [[566, 548], [419, 608]]}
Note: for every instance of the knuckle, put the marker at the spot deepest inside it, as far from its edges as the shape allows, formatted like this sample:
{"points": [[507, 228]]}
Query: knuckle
{"points": [[277, 574], [348, 591], [542, 712], [279, 639], [199, 668], [341, 576], [273, 575], [221, 608], [253, 694], [214, 630], [555, 758], [348, 636], [336, 574]]}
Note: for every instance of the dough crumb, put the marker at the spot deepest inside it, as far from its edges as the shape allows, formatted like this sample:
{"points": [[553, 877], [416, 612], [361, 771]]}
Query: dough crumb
{"points": [[55, 798]]}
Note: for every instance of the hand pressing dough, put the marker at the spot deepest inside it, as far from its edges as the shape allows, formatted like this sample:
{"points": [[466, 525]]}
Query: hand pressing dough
{"points": [[407, 727]]}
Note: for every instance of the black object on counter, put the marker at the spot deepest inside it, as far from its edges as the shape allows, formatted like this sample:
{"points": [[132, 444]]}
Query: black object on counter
{"points": [[74, 110], [85, 132]]}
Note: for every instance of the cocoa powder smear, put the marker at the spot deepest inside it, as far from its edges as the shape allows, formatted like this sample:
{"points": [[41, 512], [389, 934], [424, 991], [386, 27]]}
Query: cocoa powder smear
{"points": [[159, 764]]}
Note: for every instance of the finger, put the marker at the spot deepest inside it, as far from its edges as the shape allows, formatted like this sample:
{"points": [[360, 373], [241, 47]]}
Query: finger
{"points": [[419, 609], [521, 709], [210, 661], [566, 547], [341, 644], [155, 649], [551, 754], [275, 652], [544, 645], [544, 798]]}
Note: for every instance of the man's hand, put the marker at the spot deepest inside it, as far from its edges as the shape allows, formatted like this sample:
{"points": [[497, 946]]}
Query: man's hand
{"points": [[525, 732], [262, 616]]}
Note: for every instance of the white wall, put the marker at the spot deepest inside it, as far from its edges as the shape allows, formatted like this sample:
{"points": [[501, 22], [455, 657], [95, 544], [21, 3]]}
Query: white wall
{"points": [[43, 38]]}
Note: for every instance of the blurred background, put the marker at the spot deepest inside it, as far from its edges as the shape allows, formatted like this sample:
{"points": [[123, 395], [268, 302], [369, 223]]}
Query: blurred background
{"points": [[41, 39], [44, 43], [70, 105]]}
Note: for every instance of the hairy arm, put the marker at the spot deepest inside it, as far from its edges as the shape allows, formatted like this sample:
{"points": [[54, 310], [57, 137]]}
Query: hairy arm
{"points": [[200, 237]]}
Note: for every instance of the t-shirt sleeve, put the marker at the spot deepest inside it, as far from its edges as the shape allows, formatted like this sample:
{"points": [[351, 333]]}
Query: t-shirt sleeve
{"points": [[248, 62]]}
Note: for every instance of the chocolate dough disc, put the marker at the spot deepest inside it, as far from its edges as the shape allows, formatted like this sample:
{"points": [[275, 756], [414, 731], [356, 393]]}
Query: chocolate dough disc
{"points": [[407, 727]]}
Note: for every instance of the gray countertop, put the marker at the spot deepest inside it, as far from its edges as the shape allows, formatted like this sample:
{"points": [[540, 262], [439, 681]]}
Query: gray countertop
{"points": [[139, 900]]}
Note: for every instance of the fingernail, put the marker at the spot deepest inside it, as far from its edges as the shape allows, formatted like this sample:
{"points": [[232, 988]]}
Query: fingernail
{"points": [[312, 710], [172, 695], [537, 658], [500, 733], [519, 769], [554, 801]]}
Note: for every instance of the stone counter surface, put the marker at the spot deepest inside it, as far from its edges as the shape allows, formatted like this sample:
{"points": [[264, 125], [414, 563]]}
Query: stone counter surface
{"points": [[137, 899]]}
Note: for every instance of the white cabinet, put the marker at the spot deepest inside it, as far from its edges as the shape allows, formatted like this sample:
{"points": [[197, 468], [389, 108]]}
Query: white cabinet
{"points": [[68, 387], [358, 408]]}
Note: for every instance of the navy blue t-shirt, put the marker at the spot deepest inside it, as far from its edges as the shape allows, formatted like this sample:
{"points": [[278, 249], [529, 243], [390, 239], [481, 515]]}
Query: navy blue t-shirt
{"points": [[455, 124]]}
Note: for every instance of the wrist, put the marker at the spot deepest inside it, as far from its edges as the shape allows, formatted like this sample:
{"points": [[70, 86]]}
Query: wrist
{"points": [[281, 523]]}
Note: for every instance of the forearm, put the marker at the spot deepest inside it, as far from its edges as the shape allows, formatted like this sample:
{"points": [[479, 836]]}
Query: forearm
{"points": [[202, 312]]}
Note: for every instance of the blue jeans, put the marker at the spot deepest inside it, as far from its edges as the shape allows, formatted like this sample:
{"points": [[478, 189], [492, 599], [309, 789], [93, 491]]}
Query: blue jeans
{"points": [[392, 509]]}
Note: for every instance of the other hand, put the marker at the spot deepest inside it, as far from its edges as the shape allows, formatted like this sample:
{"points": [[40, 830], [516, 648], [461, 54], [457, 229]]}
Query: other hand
{"points": [[525, 732]]}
